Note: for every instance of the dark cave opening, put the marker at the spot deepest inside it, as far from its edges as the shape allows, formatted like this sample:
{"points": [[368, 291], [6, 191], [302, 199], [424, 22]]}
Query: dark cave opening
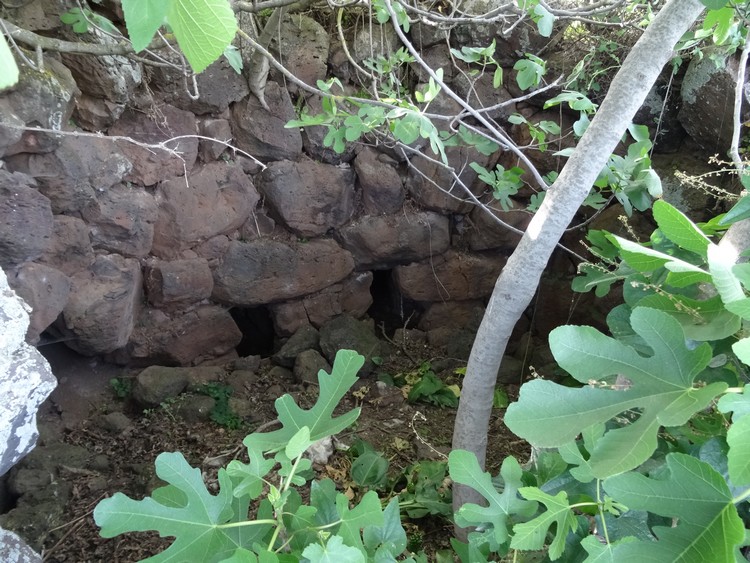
{"points": [[390, 308], [257, 329]]}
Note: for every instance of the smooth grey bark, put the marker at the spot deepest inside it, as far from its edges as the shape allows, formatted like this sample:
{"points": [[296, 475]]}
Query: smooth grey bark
{"points": [[519, 279]]}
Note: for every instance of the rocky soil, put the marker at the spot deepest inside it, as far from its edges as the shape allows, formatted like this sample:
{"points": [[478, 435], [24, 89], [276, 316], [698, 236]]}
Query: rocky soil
{"points": [[94, 443]]}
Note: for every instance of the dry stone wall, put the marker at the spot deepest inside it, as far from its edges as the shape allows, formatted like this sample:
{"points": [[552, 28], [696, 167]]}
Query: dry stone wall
{"points": [[139, 253]]}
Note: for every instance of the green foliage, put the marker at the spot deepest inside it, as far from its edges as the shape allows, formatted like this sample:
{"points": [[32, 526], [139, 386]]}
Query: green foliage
{"points": [[121, 386], [529, 71], [222, 414], [203, 29], [214, 528], [641, 450], [484, 57], [426, 490], [422, 488], [504, 183], [8, 67], [382, 15], [81, 20], [692, 492], [424, 386], [538, 131], [662, 392]]}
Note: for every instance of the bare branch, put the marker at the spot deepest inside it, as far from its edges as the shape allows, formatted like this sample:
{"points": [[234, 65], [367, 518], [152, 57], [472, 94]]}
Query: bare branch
{"points": [[500, 136], [160, 146]]}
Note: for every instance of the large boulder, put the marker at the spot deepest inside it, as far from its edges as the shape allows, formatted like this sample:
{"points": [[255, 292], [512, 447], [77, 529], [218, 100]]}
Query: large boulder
{"points": [[43, 98], [113, 78], [14, 549], [303, 45], [179, 282], [263, 133], [151, 166], [217, 87], [433, 186], [25, 220], [381, 184], [78, 170], [308, 197], [122, 220], [70, 249], [380, 242], [453, 276], [347, 333], [267, 271], [204, 333], [25, 383], [351, 296], [484, 232], [708, 102], [216, 200], [46, 290], [104, 300]]}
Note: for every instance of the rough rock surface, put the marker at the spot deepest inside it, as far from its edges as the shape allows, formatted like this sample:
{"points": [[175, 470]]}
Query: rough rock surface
{"points": [[42, 98], [346, 332], [78, 170], [218, 129], [432, 186], [382, 188], [180, 282], [219, 85], [122, 220], [25, 220], [216, 200], [96, 114], [308, 197], [708, 101], [156, 384], [307, 365], [181, 339], [113, 77], [14, 549], [303, 44], [485, 233], [26, 382], [151, 166], [46, 290], [459, 314], [10, 126], [351, 296], [265, 271], [454, 275], [103, 303], [306, 338], [380, 242], [70, 249], [263, 134]]}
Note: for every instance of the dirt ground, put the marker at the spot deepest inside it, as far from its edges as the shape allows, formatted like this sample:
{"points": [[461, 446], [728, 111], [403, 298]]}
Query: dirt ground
{"points": [[404, 433]]}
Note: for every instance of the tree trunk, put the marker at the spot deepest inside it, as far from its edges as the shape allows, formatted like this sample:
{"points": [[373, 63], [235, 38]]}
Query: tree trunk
{"points": [[519, 279]]}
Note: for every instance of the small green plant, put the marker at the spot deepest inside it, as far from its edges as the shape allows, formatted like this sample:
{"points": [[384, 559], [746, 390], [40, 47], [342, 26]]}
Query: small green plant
{"points": [[423, 488], [81, 20], [484, 57], [121, 386], [504, 183], [424, 386], [222, 413]]}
